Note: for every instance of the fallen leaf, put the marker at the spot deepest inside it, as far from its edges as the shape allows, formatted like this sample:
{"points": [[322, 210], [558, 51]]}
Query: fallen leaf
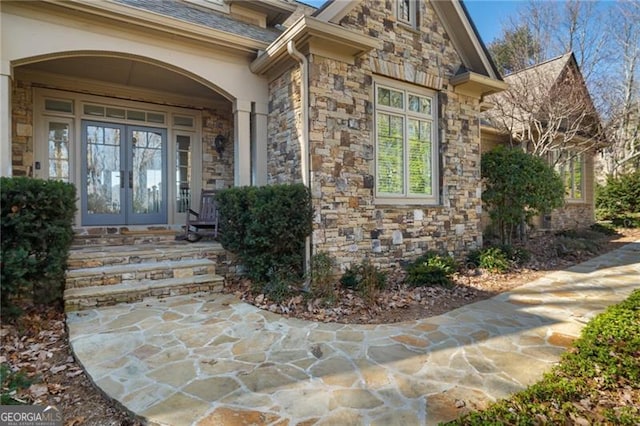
{"points": [[75, 421]]}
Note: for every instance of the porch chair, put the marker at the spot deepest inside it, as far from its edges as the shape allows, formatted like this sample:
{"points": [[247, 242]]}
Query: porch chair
{"points": [[204, 223]]}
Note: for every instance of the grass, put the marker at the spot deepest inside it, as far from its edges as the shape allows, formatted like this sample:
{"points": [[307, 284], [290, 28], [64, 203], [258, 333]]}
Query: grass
{"points": [[596, 382]]}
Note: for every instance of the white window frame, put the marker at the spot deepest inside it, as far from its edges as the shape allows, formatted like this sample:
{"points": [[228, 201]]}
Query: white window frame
{"points": [[413, 13], [569, 163], [406, 197]]}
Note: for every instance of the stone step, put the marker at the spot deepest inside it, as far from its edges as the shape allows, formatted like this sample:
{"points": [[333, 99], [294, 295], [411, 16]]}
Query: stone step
{"points": [[91, 297], [124, 235], [135, 272], [94, 257]]}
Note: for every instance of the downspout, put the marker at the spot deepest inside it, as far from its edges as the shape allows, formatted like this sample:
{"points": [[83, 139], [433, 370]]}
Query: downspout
{"points": [[303, 139]]}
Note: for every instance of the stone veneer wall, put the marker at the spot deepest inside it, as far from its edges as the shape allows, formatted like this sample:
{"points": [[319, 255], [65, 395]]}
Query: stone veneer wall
{"points": [[283, 122], [21, 128], [217, 171], [349, 223]]}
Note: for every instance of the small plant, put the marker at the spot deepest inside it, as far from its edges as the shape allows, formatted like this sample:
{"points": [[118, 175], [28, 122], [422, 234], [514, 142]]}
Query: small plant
{"points": [[12, 382], [604, 229], [431, 269], [492, 259], [518, 255], [279, 287], [365, 278], [322, 277]]}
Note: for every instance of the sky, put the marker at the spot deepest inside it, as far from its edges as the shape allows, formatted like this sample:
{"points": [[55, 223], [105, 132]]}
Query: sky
{"points": [[487, 15]]}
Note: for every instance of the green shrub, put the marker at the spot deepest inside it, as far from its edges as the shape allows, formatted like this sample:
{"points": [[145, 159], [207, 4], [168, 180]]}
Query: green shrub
{"points": [[518, 187], [492, 259], [365, 278], [37, 218], [431, 269], [618, 197], [628, 220], [266, 228], [322, 276], [12, 382]]}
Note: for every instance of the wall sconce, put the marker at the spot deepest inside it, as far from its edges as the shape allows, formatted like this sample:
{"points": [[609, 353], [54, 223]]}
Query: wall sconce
{"points": [[218, 144]]}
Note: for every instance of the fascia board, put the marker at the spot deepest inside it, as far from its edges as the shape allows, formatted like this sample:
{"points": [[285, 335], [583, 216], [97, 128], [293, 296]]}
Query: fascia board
{"points": [[304, 29]]}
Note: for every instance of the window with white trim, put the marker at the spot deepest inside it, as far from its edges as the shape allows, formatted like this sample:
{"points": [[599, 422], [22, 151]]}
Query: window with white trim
{"points": [[406, 143], [570, 167], [407, 12]]}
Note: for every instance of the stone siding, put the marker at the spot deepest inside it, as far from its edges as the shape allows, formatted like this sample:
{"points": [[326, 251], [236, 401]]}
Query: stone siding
{"points": [[349, 222], [284, 125], [21, 128], [217, 170]]}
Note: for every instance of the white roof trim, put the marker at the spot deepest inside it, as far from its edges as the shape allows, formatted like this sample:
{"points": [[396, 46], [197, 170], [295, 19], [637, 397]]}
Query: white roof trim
{"points": [[337, 10]]}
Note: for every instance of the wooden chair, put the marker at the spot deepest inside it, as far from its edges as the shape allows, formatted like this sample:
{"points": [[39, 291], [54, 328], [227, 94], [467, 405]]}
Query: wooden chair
{"points": [[204, 223]]}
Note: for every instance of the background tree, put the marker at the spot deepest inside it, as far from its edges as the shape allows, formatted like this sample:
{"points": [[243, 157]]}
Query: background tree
{"points": [[621, 100], [605, 39], [547, 109], [515, 50]]}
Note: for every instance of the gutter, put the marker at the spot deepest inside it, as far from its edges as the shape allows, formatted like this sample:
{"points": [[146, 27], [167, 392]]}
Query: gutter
{"points": [[303, 139]]}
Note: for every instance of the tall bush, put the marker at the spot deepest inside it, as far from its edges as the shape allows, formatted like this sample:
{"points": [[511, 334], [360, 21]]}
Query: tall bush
{"points": [[619, 197], [37, 218], [518, 186], [266, 228]]}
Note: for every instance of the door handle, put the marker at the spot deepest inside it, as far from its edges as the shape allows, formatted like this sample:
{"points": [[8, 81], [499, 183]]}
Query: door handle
{"points": [[121, 179], [130, 179]]}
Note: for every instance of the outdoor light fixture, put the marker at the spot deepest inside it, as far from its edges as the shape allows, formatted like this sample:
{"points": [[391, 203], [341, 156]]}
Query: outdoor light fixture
{"points": [[218, 144]]}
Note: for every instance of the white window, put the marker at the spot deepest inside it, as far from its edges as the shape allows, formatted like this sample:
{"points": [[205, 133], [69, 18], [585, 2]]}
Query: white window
{"points": [[570, 167], [407, 12], [58, 149], [406, 143]]}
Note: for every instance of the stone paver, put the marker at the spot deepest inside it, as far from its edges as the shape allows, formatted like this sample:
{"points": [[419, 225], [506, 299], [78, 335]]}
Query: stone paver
{"points": [[213, 360]]}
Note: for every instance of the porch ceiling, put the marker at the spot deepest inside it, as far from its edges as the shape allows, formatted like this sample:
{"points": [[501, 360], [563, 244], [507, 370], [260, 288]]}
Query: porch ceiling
{"points": [[126, 72]]}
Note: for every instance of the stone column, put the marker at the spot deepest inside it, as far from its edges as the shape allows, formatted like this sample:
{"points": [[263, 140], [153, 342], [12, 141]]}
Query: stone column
{"points": [[5, 124], [242, 143], [259, 159]]}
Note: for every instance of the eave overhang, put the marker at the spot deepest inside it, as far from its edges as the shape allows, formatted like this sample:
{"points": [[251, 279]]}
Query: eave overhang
{"points": [[275, 11], [312, 35], [143, 18], [477, 85]]}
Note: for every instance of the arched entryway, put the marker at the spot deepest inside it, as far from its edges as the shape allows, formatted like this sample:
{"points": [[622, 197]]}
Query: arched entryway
{"points": [[134, 135]]}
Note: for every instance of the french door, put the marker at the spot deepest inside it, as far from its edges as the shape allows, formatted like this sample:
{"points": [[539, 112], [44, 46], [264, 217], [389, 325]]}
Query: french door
{"points": [[124, 174]]}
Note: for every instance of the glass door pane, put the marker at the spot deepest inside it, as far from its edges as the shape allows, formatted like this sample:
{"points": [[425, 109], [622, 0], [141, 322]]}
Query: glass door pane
{"points": [[102, 170], [147, 183], [183, 173], [58, 138]]}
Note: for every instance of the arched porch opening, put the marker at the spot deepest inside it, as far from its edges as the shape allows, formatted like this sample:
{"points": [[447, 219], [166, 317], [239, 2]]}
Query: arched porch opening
{"points": [[134, 134]]}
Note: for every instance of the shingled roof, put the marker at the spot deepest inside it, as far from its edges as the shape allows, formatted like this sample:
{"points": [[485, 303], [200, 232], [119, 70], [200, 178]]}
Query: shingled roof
{"points": [[201, 16]]}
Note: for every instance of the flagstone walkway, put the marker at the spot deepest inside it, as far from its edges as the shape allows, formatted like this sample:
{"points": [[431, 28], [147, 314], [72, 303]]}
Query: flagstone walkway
{"points": [[213, 360]]}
